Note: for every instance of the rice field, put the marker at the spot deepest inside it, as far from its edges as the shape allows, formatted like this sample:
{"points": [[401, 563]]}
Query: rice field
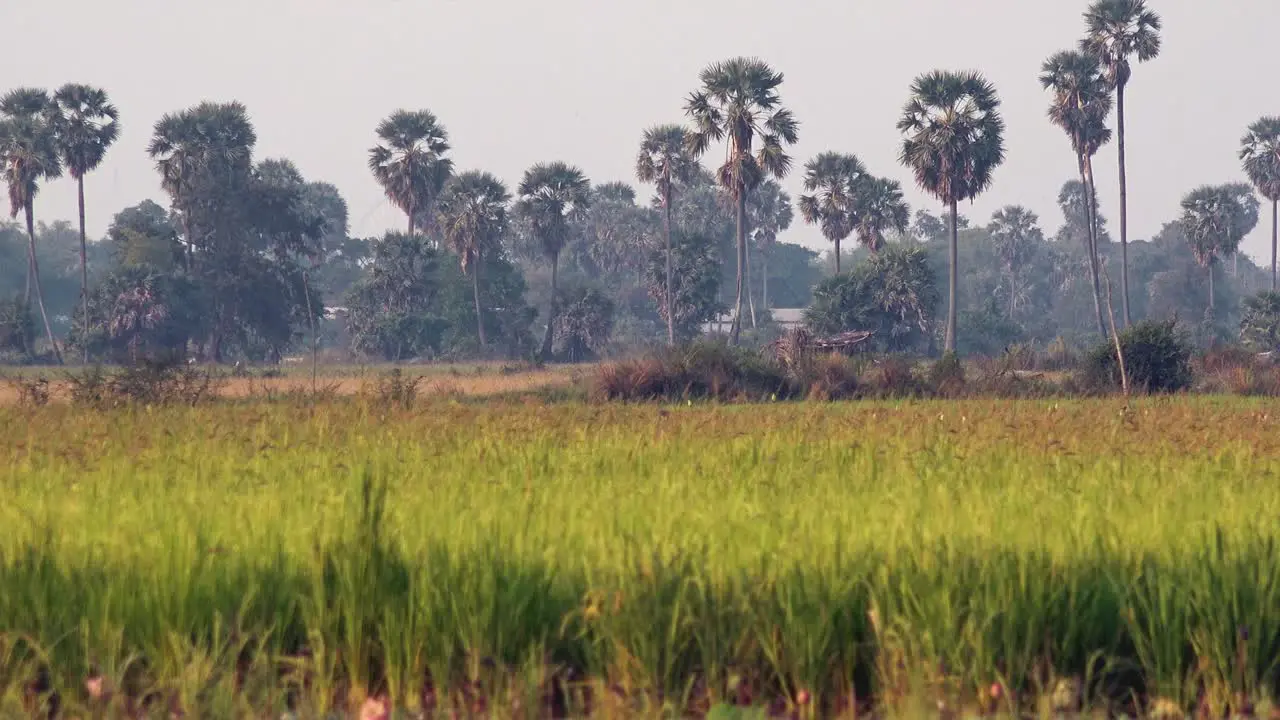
{"points": [[529, 559]]}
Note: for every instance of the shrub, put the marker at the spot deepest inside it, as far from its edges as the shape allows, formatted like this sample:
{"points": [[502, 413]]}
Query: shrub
{"points": [[946, 376], [701, 370], [893, 377], [1157, 357], [830, 377], [150, 382], [1260, 322]]}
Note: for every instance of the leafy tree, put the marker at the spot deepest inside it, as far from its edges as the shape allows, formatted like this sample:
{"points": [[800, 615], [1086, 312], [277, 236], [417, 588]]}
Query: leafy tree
{"points": [[614, 235], [770, 214], [953, 142], [1260, 153], [1260, 323], [881, 209], [144, 235], [17, 330], [1116, 31], [695, 283], [473, 216], [892, 293], [389, 310], [665, 160], [928, 226], [1215, 220], [1080, 105], [140, 312], [87, 124], [409, 161], [1016, 234], [739, 101], [584, 323], [551, 196], [28, 147]]}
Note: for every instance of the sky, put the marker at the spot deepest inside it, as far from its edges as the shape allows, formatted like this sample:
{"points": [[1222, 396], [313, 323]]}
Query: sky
{"points": [[518, 82]]}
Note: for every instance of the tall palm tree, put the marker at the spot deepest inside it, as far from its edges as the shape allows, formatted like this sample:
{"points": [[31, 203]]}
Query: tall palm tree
{"points": [[665, 160], [1080, 105], [409, 161], [880, 209], [737, 103], [1015, 232], [29, 150], [1215, 220], [1117, 30], [551, 196], [473, 216], [831, 183], [770, 214], [88, 124], [1260, 153], [953, 142]]}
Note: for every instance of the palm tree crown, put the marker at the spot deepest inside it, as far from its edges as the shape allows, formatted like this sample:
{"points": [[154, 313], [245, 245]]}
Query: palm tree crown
{"points": [[1216, 218], [1260, 153], [739, 102], [88, 124], [954, 135], [1081, 99], [550, 195], [664, 159], [831, 183], [473, 215], [1117, 30], [881, 209], [409, 160], [28, 145]]}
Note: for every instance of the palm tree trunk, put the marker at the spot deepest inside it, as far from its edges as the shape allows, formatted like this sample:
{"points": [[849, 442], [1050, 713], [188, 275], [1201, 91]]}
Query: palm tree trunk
{"points": [[953, 256], [551, 312], [1275, 235], [764, 279], [1124, 208], [837, 256], [1013, 292], [735, 330], [84, 274], [1086, 177], [410, 223], [35, 279], [1212, 304], [751, 298], [666, 226], [475, 293]]}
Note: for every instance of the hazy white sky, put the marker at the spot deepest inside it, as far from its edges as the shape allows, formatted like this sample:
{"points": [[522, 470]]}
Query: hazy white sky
{"points": [[517, 82]]}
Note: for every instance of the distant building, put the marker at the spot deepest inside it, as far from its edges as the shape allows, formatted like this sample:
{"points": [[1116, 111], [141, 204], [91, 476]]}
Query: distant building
{"points": [[787, 318]]}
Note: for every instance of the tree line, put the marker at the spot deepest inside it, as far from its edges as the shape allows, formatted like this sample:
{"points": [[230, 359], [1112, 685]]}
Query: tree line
{"points": [[250, 259]]}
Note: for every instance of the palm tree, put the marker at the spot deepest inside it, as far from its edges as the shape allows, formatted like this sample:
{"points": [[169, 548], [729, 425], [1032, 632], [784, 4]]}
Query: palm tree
{"points": [[473, 216], [831, 182], [409, 161], [1015, 233], [28, 147], [1080, 105], [196, 151], [551, 196], [739, 101], [665, 160], [1118, 30], [1260, 153], [880, 210], [953, 142], [88, 124], [770, 214], [1215, 219]]}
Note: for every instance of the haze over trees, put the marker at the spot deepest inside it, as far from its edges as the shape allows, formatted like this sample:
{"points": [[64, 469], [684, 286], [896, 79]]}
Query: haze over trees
{"points": [[247, 259]]}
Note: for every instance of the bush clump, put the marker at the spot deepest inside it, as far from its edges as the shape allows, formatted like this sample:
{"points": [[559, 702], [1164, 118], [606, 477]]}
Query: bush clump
{"points": [[149, 382], [1157, 357], [698, 371]]}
